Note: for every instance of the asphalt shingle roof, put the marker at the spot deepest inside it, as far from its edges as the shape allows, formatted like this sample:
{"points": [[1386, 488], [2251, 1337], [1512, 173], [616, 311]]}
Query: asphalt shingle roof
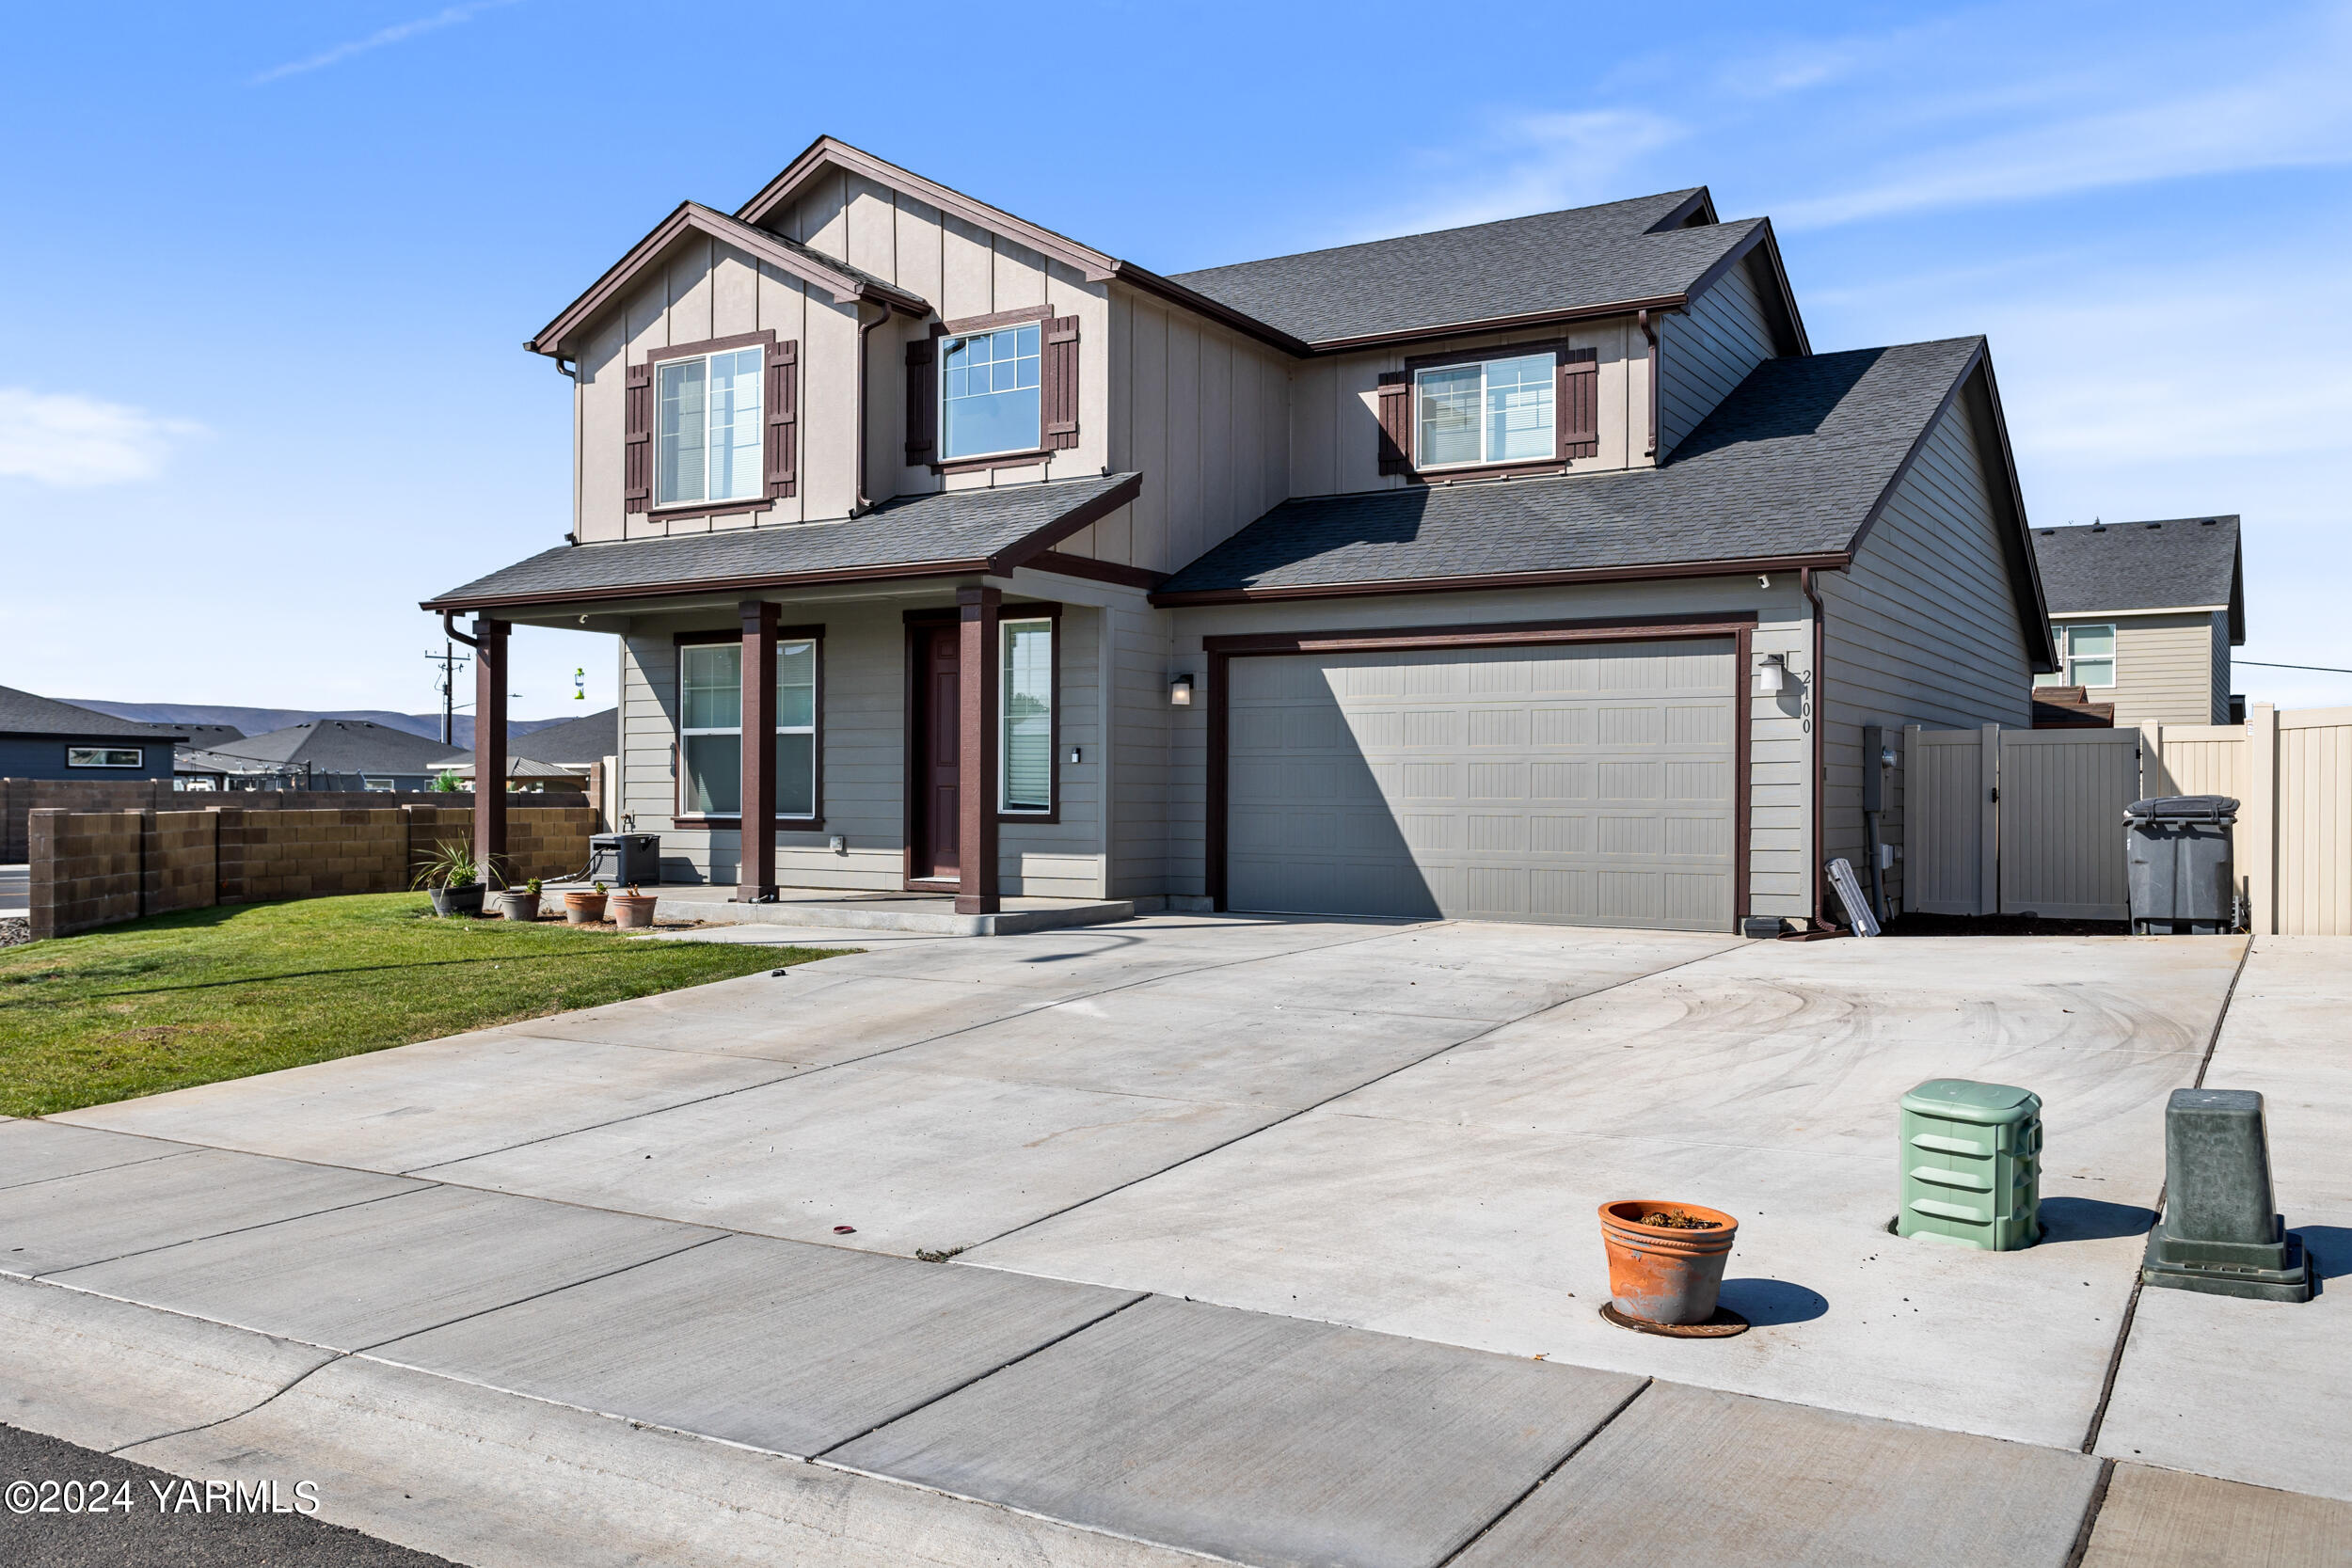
{"points": [[913, 532], [1791, 464], [1584, 257], [2146, 565], [341, 746], [22, 713]]}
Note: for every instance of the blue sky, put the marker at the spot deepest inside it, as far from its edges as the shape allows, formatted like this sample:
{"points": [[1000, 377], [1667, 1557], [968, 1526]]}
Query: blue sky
{"points": [[268, 268]]}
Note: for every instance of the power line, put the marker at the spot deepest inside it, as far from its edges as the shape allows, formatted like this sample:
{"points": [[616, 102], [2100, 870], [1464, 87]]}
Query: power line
{"points": [[2266, 664]]}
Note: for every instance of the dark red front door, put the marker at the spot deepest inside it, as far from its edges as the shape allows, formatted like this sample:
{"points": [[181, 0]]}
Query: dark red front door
{"points": [[937, 734]]}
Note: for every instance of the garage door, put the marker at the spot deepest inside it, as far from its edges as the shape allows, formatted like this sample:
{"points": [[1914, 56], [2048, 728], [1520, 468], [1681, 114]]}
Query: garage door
{"points": [[1584, 785]]}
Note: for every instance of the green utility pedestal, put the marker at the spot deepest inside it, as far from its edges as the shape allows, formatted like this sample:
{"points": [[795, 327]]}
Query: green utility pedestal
{"points": [[2221, 1231], [1971, 1165]]}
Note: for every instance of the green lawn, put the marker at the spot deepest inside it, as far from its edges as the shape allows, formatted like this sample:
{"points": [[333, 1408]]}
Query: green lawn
{"points": [[207, 994]]}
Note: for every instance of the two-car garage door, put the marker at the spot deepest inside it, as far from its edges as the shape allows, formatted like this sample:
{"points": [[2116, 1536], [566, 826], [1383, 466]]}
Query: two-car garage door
{"points": [[1587, 783]]}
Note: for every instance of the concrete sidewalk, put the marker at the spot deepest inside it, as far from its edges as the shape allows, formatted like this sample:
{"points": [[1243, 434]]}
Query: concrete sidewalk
{"points": [[1277, 1251]]}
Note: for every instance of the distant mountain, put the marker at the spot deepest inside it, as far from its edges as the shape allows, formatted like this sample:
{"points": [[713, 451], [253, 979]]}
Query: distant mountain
{"points": [[262, 720]]}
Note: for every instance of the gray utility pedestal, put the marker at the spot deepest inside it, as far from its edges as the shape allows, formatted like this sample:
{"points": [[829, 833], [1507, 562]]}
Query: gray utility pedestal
{"points": [[2177, 850], [2221, 1231]]}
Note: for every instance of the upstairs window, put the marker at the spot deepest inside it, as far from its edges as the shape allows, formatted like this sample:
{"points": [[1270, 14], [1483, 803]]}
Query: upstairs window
{"points": [[708, 428], [1487, 411], [2086, 656], [989, 391]]}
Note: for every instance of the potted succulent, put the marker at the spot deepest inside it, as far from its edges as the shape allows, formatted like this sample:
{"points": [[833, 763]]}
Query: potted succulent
{"points": [[632, 910], [1665, 1260], [520, 903], [454, 878], [585, 909]]}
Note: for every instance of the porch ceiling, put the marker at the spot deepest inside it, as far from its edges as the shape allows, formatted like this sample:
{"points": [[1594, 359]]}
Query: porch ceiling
{"points": [[945, 533]]}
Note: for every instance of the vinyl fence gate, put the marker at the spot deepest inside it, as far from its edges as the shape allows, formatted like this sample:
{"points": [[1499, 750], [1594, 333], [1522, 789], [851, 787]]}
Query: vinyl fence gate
{"points": [[2023, 822]]}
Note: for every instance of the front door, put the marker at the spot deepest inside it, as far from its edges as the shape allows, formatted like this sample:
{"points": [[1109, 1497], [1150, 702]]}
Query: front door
{"points": [[937, 743]]}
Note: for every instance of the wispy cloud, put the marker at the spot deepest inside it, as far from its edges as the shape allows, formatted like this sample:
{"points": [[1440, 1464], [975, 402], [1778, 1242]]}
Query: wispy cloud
{"points": [[1534, 163], [74, 442], [400, 32]]}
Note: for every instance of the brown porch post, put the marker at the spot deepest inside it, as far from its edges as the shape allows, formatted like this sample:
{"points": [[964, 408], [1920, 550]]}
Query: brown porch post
{"points": [[489, 749], [976, 752], [756, 866]]}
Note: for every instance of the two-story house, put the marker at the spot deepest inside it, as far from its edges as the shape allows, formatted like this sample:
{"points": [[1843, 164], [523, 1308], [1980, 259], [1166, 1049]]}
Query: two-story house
{"points": [[2143, 616], [1535, 570]]}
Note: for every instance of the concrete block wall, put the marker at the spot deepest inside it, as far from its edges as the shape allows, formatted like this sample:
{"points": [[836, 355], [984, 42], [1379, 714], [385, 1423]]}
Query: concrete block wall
{"points": [[20, 796], [96, 868], [86, 869]]}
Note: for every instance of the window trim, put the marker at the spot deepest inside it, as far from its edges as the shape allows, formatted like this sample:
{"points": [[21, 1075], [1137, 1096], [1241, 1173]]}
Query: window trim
{"points": [[2066, 659], [138, 754], [765, 341], [1414, 472], [679, 815], [1026, 615], [964, 326]]}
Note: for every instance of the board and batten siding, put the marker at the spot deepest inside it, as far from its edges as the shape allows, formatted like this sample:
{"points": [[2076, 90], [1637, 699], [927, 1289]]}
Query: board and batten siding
{"points": [[1923, 629], [1335, 418], [1781, 806], [862, 754], [1707, 350], [2170, 668]]}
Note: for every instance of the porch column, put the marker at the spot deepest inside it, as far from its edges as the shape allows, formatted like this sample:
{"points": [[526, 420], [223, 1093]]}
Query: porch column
{"points": [[976, 752], [489, 750], [756, 866]]}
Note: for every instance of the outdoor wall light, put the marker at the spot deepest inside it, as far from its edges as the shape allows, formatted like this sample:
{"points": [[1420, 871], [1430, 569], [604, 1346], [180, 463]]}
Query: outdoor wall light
{"points": [[1772, 675], [1180, 691]]}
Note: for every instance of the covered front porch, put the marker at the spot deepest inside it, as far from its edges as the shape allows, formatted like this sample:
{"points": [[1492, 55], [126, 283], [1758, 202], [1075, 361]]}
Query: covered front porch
{"points": [[939, 756]]}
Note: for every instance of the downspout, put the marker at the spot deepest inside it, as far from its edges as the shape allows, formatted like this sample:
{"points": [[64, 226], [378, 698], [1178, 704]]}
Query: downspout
{"points": [[1649, 330], [865, 502], [1820, 766]]}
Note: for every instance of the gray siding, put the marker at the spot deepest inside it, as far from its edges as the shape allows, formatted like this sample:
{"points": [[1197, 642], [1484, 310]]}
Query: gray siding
{"points": [[2221, 679], [863, 757], [1923, 630], [23, 758], [1707, 351]]}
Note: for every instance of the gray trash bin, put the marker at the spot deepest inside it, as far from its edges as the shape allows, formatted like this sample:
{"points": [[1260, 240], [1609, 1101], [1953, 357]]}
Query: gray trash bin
{"points": [[2183, 880]]}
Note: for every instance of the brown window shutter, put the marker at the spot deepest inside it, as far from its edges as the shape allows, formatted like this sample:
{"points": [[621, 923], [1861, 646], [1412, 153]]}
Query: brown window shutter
{"points": [[1060, 376], [784, 420], [1577, 410], [922, 400], [637, 462], [1396, 422]]}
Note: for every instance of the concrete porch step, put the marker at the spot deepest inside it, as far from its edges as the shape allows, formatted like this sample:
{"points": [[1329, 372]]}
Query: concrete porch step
{"points": [[933, 914]]}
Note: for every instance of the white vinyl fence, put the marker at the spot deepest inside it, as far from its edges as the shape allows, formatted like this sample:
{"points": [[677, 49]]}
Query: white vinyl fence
{"points": [[2032, 821]]}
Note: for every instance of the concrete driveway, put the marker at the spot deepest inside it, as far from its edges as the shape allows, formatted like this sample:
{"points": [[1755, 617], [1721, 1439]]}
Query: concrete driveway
{"points": [[1238, 1200]]}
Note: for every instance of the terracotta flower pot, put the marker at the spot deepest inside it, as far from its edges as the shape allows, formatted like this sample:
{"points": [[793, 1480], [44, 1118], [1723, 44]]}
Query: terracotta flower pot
{"points": [[518, 904], [632, 913], [584, 908], [1660, 1274]]}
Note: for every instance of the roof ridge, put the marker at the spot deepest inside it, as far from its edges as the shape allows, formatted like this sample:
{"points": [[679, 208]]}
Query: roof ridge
{"points": [[1685, 194]]}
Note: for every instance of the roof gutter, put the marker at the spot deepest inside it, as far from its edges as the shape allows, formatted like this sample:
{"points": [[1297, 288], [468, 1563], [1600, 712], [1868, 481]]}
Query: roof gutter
{"points": [[1498, 324], [1503, 580]]}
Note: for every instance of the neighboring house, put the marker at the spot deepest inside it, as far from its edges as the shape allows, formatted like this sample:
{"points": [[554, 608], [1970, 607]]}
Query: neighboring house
{"points": [[2144, 616], [1535, 570], [42, 739], [567, 749], [342, 753]]}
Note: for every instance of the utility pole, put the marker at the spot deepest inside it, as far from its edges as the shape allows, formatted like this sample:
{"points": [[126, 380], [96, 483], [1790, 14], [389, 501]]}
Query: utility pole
{"points": [[451, 661]]}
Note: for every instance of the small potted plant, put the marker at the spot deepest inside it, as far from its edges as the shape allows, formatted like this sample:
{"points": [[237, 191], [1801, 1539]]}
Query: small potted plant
{"points": [[585, 909], [632, 910], [520, 903], [1665, 1260], [450, 875]]}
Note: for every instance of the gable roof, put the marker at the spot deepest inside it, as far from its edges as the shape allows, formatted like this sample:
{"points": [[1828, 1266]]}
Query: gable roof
{"points": [[948, 533], [839, 280], [1790, 470], [24, 713], [590, 738], [341, 746], [1654, 251], [2173, 563]]}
